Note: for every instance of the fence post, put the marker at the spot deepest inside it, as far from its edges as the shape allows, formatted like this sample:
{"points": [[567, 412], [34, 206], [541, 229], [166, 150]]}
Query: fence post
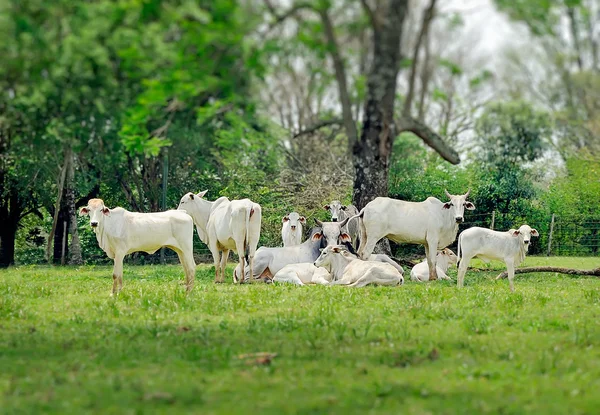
{"points": [[550, 235], [493, 219], [64, 243]]}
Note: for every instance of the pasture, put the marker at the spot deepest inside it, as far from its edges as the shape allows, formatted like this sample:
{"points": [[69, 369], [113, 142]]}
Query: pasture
{"points": [[67, 347]]}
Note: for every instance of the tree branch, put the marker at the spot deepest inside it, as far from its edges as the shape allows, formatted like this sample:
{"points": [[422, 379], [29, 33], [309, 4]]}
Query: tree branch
{"points": [[280, 18], [370, 13], [592, 272], [340, 75], [318, 126], [429, 137], [427, 18]]}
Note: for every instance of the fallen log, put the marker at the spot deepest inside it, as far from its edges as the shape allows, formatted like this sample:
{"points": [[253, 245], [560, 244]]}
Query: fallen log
{"points": [[593, 272]]}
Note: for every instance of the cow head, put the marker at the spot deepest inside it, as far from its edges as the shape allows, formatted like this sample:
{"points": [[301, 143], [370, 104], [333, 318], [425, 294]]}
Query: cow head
{"points": [[457, 205], [96, 211], [294, 219], [449, 254], [327, 256], [189, 198], [332, 231], [524, 233], [335, 207]]}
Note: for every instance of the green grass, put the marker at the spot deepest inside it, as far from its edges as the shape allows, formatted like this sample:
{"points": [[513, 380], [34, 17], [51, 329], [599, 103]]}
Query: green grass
{"points": [[67, 347]]}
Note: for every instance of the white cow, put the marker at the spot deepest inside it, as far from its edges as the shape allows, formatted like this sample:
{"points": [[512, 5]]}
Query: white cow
{"points": [[431, 223], [444, 259], [348, 270], [268, 261], [340, 212], [120, 232], [291, 230], [303, 273], [225, 225], [486, 244]]}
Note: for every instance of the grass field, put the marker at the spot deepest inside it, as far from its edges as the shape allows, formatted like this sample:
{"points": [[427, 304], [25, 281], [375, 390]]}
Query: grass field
{"points": [[67, 347]]}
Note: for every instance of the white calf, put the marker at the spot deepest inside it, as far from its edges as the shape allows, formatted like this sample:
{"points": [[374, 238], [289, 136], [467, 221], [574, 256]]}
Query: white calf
{"points": [[303, 273], [120, 232], [346, 269], [510, 247], [444, 259], [291, 230]]}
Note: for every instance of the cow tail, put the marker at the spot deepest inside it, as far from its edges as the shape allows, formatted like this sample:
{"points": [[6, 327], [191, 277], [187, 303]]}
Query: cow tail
{"points": [[246, 245], [362, 231], [458, 250]]}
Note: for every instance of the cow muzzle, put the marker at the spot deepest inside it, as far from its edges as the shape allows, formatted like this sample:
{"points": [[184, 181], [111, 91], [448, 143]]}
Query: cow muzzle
{"points": [[334, 219], [526, 242], [293, 227], [94, 224], [459, 219]]}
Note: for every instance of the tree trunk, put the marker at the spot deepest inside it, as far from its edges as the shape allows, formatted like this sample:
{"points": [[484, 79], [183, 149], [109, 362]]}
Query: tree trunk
{"points": [[59, 235], [8, 232], [74, 251], [61, 185], [371, 153]]}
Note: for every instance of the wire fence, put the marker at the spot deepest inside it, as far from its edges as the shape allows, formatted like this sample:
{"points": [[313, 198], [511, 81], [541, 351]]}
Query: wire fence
{"points": [[559, 235]]}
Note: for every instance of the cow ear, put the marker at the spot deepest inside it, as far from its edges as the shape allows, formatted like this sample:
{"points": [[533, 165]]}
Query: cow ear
{"points": [[106, 211], [469, 206], [337, 250], [447, 205], [201, 194], [326, 207], [191, 196], [534, 232], [345, 237], [514, 232], [285, 218], [443, 252], [83, 211], [302, 220], [317, 236]]}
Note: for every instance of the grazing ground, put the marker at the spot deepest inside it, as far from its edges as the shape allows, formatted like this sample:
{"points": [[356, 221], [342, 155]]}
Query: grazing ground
{"points": [[67, 347]]}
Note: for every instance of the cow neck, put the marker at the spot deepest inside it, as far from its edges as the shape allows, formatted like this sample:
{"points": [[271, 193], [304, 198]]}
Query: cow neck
{"points": [[521, 250], [337, 270], [102, 236], [204, 207], [448, 216]]}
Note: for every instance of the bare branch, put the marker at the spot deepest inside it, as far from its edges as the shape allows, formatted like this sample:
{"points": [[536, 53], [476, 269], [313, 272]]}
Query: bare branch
{"points": [[318, 126], [340, 75], [429, 137], [423, 33], [370, 13], [280, 18], [592, 272]]}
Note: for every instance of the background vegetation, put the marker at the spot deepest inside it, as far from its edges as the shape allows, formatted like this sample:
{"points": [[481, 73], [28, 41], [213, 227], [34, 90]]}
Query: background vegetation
{"points": [[267, 100]]}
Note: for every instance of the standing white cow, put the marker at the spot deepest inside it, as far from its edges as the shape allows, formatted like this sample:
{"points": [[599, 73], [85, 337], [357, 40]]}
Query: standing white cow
{"points": [[348, 270], [431, 223], [291, 230], [225, 225], [120, 232], [486, 244], [444, 259], [340, 212]]}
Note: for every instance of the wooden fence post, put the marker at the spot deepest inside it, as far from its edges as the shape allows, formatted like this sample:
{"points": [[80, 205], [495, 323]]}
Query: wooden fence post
{"points": [[493, 219], [550, 236]]}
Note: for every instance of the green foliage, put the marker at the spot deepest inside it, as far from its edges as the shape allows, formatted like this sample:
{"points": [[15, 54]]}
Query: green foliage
{"points": [[155, 349], [510, 134]]}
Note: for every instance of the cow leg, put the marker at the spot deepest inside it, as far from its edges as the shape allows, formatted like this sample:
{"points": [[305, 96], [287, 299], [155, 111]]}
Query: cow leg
{"points": [[431, 252], [224, 258], [462, 270], [510, 267], [189, 267], [117, 274], [241, 251], [214, 249], [367, 245]]}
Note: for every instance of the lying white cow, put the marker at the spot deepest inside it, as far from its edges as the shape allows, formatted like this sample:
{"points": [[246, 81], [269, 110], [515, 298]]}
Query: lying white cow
{"points": [[510, 247], [431, 223], [225, 225], [120, 232], [444, 259], [340, 212], [291, 230], [303, 273], [348, 270]]}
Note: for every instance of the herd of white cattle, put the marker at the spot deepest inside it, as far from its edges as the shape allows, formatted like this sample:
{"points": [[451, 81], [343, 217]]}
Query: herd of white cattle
{"points": [[327, 257]]}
